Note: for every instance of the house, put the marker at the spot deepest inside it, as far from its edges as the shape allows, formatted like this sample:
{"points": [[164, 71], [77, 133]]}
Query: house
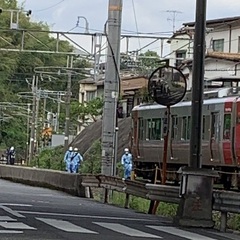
{"points": [[132, 91], [217, 65], [222, 35]]}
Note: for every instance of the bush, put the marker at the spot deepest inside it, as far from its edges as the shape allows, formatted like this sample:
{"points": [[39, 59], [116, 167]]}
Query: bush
{"points": [[92, 160], [50, 159]]}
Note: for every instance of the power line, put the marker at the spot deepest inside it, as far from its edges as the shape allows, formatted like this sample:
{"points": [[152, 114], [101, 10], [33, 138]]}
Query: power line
{"points": [[47, 8], [135, 18]]}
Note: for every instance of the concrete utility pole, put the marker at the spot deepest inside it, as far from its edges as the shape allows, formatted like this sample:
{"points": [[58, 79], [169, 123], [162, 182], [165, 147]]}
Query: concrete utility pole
{"points": [[111, 86], [198, 85], [68, 100], [58, 111], [34, 108]]}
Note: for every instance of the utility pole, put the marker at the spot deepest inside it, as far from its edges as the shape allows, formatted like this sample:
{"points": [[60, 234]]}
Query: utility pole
{"points": [[28, 126], [173, 19], [58, 111], [44, 110], [37, 130], [34, 108], [111, 86], [195, 160], [68, 100]]}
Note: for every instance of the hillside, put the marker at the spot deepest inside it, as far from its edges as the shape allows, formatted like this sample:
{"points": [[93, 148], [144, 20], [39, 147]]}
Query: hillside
{"points": [[93, 132]]}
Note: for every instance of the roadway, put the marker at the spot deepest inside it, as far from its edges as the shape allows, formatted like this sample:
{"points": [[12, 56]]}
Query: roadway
{"points": [[32, 213]]}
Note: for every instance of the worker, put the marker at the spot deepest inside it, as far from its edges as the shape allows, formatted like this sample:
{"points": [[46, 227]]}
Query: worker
{"points": [[11, 155], [68, 158], [127, 163], [76, 160]]}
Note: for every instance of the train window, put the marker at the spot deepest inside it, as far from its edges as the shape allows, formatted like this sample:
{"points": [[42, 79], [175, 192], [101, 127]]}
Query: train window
{"points": [[214, 126], [140, 128], [205, 129], [227, 126], [154, 129], [186, 121], [174, 128]]}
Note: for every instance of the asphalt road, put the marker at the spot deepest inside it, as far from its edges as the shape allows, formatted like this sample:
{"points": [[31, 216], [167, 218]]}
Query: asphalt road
{"points": [[31, 213]]}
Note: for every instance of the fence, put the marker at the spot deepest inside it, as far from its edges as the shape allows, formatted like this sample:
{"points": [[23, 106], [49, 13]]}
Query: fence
{"points": [[223, 201]]}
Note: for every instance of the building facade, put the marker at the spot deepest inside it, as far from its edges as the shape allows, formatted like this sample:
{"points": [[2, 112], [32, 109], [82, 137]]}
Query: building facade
{"points": [[222, 35], [133, 88]]}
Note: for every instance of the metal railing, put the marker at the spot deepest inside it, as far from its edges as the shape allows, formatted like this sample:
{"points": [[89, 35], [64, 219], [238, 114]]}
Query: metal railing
{"points": [[223, 201]]}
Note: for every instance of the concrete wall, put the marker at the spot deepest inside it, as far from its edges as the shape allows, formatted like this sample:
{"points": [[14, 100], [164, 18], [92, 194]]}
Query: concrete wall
{"points": [[67, 182]]}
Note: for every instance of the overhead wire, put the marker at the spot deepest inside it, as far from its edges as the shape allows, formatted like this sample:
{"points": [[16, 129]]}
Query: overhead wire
{"points": [[135, 17], [47, 8]]}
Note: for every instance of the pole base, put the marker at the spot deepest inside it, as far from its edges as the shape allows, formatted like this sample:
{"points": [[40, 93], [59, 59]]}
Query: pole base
{"points": [[188, 222]]}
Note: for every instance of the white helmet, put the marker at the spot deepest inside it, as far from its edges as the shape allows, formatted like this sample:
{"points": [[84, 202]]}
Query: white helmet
{"points": [[70, 148], [126, 150], [12, 148], [75, 149]]}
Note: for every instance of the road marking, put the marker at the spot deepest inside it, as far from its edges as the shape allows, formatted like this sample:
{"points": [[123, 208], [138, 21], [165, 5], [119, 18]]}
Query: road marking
{"points": [[14, 213], [65, 226], [16, 204], [9, 231], [116, 227], [180, 233], [87, 216], [225, 235], [16, 225], [6, 218]]}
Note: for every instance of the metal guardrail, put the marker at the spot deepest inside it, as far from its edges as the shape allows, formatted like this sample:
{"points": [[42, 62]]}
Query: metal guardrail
{"points": [[163, 193], [223, 201]]}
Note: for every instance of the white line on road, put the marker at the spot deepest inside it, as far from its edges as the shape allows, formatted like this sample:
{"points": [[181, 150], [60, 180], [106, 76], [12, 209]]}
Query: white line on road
{"points": [[226, 235], [65, 226], [116, 227], [9, 231], [14, 213], [87, 216], [16, 225], [7, 218], [180, 233], [16, 204]]}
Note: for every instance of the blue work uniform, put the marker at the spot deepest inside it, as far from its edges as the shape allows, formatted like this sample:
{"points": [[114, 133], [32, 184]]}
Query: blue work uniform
{"points": [[127, 164], [77, 159], [68, 159]]}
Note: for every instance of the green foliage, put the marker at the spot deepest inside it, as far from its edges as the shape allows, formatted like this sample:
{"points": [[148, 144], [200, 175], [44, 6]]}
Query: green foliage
{"points": [[15, 67], [50, 159], [87, 110], [150, 59], [142, 205], [92, 159]]}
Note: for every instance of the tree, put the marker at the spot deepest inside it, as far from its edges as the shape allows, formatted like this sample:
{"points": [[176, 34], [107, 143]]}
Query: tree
{"points": [[150, 59], [16, 66], [87, 110]]}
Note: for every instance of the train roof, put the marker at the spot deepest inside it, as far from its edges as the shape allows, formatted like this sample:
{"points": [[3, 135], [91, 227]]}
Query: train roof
{"points": [[148, 106]]}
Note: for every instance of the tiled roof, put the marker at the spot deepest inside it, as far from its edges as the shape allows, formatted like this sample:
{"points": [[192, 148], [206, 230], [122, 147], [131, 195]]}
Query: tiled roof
{"points": [[214, 21], [225, 56], [218, 55]]}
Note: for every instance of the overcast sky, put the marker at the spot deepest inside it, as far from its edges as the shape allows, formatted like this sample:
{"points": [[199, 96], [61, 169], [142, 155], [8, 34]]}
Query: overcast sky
{"points": [[151, 15]]}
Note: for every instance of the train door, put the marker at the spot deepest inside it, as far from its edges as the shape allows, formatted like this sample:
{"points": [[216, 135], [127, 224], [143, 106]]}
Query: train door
{"points": [[237, 132], [215, 137], [136, 131], [227, 138]]}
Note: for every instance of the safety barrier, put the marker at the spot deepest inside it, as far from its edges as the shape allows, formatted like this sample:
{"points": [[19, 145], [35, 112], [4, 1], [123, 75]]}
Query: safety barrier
{"points": [[223, 201], [70, 183]]}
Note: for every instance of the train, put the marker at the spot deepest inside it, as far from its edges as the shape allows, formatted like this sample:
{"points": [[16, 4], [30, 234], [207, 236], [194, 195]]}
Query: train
{"points": [[220, 136]]}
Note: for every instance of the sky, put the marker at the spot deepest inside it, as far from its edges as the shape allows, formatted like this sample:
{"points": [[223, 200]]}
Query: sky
{"points": [[146, 16]]}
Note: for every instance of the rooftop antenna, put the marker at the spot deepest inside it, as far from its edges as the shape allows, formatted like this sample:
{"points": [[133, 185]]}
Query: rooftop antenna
{"points": [[174, 14]]}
